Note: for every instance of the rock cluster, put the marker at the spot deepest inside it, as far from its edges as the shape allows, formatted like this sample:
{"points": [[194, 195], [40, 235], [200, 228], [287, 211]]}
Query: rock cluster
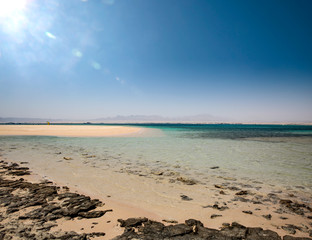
{"points": [[145, 229], [29, 210], [298, 208]]}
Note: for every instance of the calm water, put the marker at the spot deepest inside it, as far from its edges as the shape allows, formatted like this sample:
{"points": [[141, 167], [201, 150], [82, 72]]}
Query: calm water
{"points": [[277, 155]]}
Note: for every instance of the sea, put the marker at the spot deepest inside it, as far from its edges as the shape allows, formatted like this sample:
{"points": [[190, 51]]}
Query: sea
{"points": [[277, 155]]}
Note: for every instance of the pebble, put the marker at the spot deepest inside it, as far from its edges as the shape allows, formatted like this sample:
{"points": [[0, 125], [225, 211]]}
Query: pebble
{"points": [[186, 198], [268, 216]]}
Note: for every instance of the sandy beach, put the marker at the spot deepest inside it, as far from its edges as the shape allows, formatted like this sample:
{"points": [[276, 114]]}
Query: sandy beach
{"points": [[33, 207], [68, 130], [162, 195]]}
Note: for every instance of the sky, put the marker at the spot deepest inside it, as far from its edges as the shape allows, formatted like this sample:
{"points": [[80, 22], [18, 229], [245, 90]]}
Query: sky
{"points": [[85, 59]]}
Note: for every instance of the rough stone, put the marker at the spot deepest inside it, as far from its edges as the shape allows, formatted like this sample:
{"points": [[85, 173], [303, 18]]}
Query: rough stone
{"points": [[242, 192], [186, 181], [186, 198], [193, 229], [268, 216], [132, 222]]}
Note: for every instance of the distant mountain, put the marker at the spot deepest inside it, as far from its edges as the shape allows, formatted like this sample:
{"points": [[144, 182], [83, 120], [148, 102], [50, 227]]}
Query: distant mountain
{"points": [[28, 120], [132, 118], [159, 119], [124, 119], [203, 118]]}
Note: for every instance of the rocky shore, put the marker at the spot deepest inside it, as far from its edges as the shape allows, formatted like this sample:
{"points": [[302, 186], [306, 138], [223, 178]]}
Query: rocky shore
{"points": [[34, 210], [30, 210], [145, 229]]}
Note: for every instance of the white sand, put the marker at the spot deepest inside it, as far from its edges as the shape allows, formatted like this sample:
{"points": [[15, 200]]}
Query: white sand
{"points": [[68, 130]]}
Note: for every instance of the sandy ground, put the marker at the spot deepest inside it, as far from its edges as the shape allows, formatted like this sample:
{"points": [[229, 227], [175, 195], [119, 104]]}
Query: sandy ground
{"points": [[68, 131], [156, 195], [107, 223], [153, 197]]}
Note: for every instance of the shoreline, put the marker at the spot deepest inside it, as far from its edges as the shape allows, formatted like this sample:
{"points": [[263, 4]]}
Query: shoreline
{"points": [[102, 226], [125, 123]]}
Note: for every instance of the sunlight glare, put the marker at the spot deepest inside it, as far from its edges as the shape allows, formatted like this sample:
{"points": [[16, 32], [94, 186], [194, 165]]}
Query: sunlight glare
{"points": [[9, 7]]}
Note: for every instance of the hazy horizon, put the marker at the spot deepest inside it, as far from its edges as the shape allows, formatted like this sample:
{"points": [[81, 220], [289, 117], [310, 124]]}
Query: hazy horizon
{"points": [[197, 119], [234, 61]]}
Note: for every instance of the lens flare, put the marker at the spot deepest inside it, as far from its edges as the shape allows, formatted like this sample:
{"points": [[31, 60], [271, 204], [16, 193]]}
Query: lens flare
{"points": [[10, 7]]}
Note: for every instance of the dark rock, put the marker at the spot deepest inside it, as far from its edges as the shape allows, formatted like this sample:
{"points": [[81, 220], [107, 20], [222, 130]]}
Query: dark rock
{"points": [[96, 234], [256, 202], [67, 195], [235, 231], [194, 230], [176, 230], [241, 199], [247, 212], [272, 195], [216, 167], [186, 198], [242, 192], [19, 173], [222, 208], [186, 181], [268, 216], [12, 210], [287, 237], [193, 222], [298, 208], [215, 216], [169, 221], [152, 228], [132, 222], [260, 234], [285, 201], [93, 214], [290, 229]]}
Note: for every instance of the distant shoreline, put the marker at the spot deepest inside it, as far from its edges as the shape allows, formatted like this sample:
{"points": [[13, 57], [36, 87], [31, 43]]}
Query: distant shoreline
{"points": [[156, 123], [67, 130]]}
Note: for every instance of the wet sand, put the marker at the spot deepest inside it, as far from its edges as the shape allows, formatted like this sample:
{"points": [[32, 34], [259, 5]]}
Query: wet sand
{"points": [[68, 131]]}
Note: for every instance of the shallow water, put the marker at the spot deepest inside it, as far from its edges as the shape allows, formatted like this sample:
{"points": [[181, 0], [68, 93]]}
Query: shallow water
{"points": [[276, 155], [146, 173]]}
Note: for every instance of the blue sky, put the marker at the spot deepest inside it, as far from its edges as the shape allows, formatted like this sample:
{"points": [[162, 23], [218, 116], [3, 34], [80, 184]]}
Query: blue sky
{"points": [[238, 60]]}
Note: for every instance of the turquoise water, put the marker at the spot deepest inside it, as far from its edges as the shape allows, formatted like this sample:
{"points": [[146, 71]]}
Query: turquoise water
{"points": [[274, 154]]}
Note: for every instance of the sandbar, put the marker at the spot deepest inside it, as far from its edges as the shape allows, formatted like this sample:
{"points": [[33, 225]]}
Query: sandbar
{"points": [[69, 130]]}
